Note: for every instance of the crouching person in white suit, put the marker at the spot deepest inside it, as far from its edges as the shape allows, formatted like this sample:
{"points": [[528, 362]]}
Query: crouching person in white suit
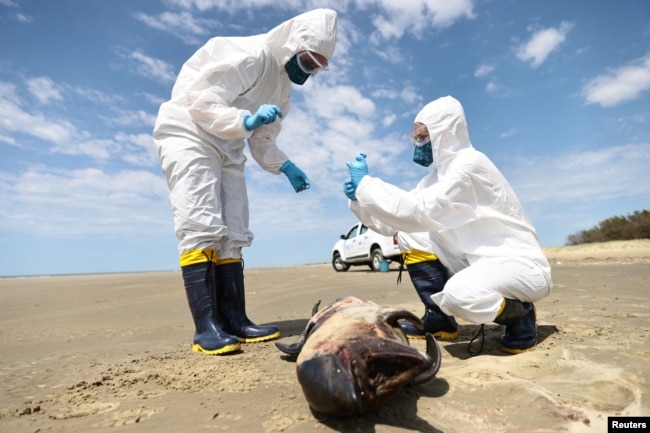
{"points": [[475, 225]]}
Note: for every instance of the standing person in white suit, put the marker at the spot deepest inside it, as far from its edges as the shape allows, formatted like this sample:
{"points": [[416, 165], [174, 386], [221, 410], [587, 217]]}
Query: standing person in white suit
{"points": [[231, 90], [476, 225]]}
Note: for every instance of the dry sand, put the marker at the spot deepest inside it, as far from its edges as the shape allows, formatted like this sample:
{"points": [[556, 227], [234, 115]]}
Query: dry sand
{"points": [[110, 353]]}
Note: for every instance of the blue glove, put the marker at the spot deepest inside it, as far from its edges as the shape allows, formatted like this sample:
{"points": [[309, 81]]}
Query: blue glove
{"points": [[296, 176], [358, 169], [349, 189], [265, 114]]}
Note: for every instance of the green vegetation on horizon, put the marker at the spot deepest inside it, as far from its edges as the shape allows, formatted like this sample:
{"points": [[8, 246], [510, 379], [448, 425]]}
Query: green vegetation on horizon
{"points": [[618, 228]]}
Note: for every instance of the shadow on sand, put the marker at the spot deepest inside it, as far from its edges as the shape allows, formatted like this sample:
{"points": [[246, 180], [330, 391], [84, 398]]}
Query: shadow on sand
{"points": [[460, 348], [400, 412]]}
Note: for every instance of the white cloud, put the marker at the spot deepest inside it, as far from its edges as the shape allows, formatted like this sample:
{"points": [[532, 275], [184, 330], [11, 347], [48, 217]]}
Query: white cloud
{"points": [[96, 148], [584, 176], [156, 69], [411, 95], [396, 17], [14, 119], [8, 93], [8, 140], [389, 120], [52, 201], [492, 87], [388, 52], [135, 149], [509, 133], [22, 18], [542, 43], [399, 17], [61, 136], [44, 89], [182, 24], [138, 149], [443, 13], [619, 85], [98, 97], [339, 102], [155, 100], [133, 118], [483, 70], [385, 93], [235, 5]]}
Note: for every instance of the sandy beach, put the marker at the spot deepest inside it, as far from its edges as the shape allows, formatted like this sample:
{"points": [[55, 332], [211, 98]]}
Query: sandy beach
{"points": [[111, 353]]}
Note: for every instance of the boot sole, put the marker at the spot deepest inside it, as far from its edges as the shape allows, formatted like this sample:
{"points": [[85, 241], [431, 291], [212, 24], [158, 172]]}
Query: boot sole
{"points": [[514, 351], [221, 351], [441, 335], [269, 337]]}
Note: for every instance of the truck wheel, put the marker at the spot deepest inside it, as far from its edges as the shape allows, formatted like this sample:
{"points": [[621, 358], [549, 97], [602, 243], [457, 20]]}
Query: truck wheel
{"points": [[338, 264], [377, 258]]}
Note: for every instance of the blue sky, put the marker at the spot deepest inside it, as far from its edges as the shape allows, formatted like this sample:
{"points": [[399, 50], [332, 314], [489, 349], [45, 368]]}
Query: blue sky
{"points": [[557, 94]]}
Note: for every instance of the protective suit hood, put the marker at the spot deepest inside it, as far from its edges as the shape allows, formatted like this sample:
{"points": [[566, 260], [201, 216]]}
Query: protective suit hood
{"points": [[304, 32], [447, 125]]}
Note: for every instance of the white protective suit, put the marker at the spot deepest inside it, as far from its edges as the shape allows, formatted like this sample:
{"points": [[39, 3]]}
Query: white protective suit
{"points": [[475, 222], [199, 133]]}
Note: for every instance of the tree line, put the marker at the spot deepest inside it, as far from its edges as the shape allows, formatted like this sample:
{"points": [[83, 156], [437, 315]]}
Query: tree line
{"points": [[618, 228]]}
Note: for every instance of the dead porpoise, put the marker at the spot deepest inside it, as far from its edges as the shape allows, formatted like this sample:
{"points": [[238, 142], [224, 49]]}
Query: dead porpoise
{"points": [[354, 356]]}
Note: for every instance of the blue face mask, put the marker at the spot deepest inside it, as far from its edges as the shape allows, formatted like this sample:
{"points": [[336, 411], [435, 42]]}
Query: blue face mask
{"points": [[423, 155], [296, 74]]}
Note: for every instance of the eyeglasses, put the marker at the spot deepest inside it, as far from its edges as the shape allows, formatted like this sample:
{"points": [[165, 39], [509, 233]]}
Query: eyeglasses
{"points": [[310, 64], [419, 136]]}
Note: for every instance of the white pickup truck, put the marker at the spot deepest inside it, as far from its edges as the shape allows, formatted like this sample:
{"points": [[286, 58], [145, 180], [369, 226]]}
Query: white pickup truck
{"points": [[363, 246]]}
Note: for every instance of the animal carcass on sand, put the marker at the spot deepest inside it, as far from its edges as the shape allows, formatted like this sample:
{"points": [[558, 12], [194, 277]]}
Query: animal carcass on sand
{"points": [[353, 357]]}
